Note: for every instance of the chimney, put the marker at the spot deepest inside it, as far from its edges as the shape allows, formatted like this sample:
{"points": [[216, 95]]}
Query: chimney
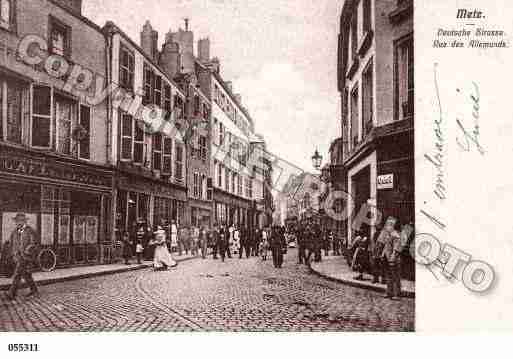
{"points": [[170, 58], [204, 50], [229, 85], [72, 5], [149, 40]]}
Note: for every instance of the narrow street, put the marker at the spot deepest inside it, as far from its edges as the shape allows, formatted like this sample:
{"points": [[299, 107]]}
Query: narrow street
{"points": [[245, 294]]}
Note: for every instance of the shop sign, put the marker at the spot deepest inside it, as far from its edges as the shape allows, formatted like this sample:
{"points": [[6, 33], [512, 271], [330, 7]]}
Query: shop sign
{"points": [[386, 181], [29, 167]]}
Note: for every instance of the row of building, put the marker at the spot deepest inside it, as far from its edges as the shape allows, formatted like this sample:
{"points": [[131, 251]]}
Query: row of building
{"points": [[98, 131], [372, 160]]}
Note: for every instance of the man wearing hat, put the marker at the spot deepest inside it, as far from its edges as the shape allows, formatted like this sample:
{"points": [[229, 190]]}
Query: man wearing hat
{"points": [[23, 249]]}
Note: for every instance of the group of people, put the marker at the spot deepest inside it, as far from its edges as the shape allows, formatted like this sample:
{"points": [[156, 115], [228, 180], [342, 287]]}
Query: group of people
{"points": [[312, 240], [225, 240], [381, 255], [222, 240]]}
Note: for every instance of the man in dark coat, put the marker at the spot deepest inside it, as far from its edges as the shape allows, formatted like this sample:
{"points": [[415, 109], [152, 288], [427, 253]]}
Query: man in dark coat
{"points": [[23, 247], [257, 238], [278, 246], [336, 244], [310, 244], [222, 243], [301, 244], [246, 241], [215, 241]]}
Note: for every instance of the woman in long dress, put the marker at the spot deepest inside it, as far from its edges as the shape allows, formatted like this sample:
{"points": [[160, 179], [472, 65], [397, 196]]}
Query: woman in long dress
{"points": [[162, 259]]}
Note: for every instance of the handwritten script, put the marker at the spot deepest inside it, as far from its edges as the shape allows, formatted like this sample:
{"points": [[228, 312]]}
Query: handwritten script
{"points": [[437, 158], [469, 138]]}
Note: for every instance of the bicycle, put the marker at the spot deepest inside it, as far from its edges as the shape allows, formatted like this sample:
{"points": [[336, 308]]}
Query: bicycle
{"points": [[46, 260]]}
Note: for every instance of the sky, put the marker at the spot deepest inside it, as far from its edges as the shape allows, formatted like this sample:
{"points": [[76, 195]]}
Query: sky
{"points": [[281, 56]]}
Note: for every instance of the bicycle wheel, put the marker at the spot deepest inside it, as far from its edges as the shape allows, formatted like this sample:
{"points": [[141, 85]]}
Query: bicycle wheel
{"points": [[47, 260]]}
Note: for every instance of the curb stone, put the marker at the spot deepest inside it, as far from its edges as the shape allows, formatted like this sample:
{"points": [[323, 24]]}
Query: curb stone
{"points": [[43, 282], [357, 284]]}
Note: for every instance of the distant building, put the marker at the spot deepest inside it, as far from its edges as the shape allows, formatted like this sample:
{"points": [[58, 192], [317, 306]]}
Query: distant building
{"points": [[299, 198], [334, 180], [375, 80]]}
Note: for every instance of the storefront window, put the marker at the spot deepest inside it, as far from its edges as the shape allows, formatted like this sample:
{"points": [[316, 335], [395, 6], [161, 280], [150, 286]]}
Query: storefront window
{"points": [[121, 209], [85, 211], [143, 205]]}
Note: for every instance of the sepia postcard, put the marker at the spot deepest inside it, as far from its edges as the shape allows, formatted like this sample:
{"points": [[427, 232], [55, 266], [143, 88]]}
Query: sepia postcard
{"points": [[253, 166]]}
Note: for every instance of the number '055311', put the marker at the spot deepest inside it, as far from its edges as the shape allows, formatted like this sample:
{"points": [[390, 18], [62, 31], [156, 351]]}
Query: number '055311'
{"points": [[22, 347]]}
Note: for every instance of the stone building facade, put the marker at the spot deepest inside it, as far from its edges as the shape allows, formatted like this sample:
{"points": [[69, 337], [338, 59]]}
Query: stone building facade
{"points": [[375, 78], [54, 158]]}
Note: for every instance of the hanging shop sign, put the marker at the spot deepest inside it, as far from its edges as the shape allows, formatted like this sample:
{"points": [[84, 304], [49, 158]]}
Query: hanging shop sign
{"points": [[386, 181]]}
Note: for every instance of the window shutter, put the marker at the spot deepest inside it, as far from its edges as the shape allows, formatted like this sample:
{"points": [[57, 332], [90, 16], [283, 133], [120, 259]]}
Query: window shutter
{"points": [[85, 135]]}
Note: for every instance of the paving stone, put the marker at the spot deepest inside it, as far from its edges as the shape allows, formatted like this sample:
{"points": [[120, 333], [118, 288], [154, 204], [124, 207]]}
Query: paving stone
{"points": [[240, 294]]}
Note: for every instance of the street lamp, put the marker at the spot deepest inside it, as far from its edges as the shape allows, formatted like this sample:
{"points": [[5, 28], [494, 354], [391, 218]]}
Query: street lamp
{"points": [[317, 160]]}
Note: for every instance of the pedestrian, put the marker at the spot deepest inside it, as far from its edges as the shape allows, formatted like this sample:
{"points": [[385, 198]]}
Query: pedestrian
{"points": [[278, 246], [392, 258], [376, 261], [183, 238], [246, 241], [194, 241], [139, 249], [256, 239], [336, 243], [141, 236], [173, 228], [23, 248], [318, 242], [127, 247], [308, 235], [228, 241], [215, 241], [162, 259], [301, 243], [361, 254], [222, 243], [203, 241], [264, 249]]}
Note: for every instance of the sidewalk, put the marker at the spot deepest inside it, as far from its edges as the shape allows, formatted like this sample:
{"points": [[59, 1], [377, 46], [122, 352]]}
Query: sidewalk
{"points": [[336, 268], [66, 274]]}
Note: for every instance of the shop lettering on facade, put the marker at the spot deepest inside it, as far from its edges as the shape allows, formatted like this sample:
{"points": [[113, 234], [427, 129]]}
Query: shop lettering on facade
{"points": [[386, 181], [33, 168]]}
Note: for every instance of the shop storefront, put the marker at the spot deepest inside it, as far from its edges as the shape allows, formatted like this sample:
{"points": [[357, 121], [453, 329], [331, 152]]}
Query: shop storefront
{"points": [[67, 203], [230, 209], [200, 213], [143, 199], [381, 174]]}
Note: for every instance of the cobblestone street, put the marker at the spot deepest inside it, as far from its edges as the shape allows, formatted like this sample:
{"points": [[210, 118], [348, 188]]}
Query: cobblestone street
{"points": [[245, 294]]}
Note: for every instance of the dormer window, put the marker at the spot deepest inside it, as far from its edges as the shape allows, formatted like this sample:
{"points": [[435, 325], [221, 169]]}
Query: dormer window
{"points": [[60, 38], [6, 14]]}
